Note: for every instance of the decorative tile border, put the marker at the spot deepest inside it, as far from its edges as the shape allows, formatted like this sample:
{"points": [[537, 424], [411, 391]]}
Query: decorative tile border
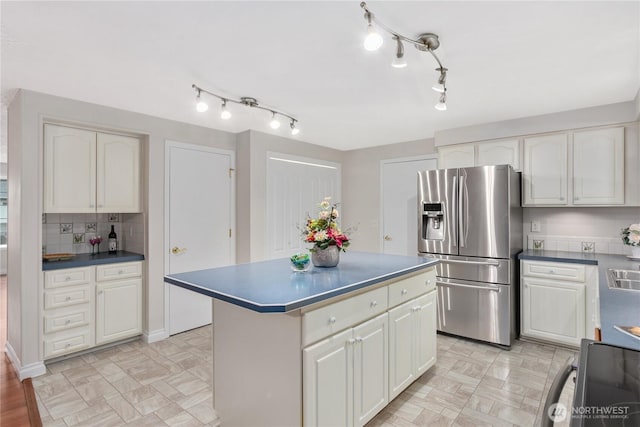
{"points": [[589, 244]]}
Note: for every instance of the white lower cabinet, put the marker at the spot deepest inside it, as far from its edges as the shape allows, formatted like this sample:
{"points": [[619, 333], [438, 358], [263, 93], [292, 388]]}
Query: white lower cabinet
{"points": [[559, 302], [412, 339], [351, 375], [345, 376], [118, 310], [88, 306]]}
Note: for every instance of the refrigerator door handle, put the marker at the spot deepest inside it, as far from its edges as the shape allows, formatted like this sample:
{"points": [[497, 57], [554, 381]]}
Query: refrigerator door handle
{"points": [[461, 220], [461, 261], [454, 213], [460, 285]]}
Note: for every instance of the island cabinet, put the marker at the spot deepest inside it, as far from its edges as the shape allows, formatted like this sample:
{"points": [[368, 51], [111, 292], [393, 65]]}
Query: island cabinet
{"points": [[336, 362]]}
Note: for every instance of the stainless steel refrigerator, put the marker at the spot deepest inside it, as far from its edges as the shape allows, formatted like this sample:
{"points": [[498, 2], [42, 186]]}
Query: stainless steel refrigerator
{"points": [[471, 219]]}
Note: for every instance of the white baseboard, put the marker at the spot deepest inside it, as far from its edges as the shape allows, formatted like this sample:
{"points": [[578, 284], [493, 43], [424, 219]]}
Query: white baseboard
{"points": [[27, 371], [157, 335]]}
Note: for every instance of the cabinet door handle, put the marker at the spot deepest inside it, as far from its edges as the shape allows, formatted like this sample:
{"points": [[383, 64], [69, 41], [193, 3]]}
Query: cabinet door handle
{"points": [[68, 299], [374, 303], [358, 339], [120, 272], [332, 320], [100, 292], [67, 322], [428, 282], [66, 279], [552, 272], [351, 341], [404, 292]]}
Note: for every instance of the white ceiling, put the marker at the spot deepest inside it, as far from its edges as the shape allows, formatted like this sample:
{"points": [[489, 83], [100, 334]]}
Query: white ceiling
{"points": [[506, 60]]}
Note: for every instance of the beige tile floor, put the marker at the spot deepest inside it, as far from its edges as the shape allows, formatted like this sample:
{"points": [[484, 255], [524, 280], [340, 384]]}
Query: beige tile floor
{"points": [[169, 383]]}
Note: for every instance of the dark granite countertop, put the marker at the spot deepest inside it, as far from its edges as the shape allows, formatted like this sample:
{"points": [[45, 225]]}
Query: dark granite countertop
{"points": [[85, 260], [617, 306]]}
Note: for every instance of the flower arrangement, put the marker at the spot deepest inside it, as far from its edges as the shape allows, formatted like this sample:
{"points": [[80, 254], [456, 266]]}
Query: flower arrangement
{"points": [[324, 231], [631, 235]]}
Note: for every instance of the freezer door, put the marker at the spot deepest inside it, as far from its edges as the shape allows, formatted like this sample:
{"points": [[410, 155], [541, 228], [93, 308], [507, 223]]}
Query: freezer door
{"points": [[483, 222], [481, 311], [437, 211]]}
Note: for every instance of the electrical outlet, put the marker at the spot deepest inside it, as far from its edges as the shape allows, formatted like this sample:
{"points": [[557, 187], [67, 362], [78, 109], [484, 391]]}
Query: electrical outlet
{"points": [[589, 247], [535, 226], [538, 244]]}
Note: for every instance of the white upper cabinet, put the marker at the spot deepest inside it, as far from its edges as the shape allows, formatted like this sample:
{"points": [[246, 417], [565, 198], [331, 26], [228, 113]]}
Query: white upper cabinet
{"points": [[486, 153], [545, 170], [598, 167], [505, 152], [575, 168], [456, 156], [87, 171], [69, 170], [118, 173]]}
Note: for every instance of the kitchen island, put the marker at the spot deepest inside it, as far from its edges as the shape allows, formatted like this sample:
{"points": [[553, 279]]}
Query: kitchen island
{"points": [[328, 346]]}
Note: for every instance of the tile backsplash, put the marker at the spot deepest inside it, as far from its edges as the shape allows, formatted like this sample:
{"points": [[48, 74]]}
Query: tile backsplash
{"points": [[603, 245], [70, 233]]}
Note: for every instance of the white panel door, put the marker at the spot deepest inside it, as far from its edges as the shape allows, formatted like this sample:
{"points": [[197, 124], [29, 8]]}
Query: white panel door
{"points": [[425, 334], [499, 153], [399, 222], [456, 156], [200, 216], [118, 310], [401, 348], [295, 187]]}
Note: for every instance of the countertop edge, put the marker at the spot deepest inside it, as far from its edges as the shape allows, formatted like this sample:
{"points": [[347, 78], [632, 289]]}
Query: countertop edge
{"points": [[297, 304], [86, 260]]}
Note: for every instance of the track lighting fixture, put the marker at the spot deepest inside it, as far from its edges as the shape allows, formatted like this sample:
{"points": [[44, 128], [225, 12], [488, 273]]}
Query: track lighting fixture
{"points": [[201, 106], [427, 42], [399, 61], [224, 113]]}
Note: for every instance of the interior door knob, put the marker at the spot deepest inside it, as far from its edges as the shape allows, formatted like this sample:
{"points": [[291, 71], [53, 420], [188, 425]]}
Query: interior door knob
{"points": [[177, 251], [387, 237]]}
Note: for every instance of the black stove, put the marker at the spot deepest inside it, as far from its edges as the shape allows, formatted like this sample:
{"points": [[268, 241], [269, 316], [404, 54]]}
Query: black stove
{"points": [[607, 386]]}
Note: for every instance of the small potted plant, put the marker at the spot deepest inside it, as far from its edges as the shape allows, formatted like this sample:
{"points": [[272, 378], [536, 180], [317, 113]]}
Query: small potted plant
{"points": [[631, 237]]}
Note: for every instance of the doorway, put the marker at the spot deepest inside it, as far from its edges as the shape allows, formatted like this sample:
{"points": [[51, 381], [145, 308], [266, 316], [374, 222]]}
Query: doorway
{"points": [[399, 203], [200, 208]]}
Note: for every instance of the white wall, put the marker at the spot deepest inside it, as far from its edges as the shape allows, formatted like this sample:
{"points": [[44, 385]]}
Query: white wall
{"points": [[361, 189], [26, 114]]}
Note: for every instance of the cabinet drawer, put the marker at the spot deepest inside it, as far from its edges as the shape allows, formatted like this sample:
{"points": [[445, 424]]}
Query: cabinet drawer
{"points": [[554, 270], [333, 318], [67, 342], [60, 320], [412, 287], [118, 271], [67, 277], [66, 297]]}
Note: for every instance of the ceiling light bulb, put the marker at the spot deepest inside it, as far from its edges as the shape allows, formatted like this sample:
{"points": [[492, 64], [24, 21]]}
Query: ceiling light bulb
{"points": [[442, 106], [225, 114], [275, 124], [399, 63], [201, 106], [440, 86], [294, 129], [373, 41]]}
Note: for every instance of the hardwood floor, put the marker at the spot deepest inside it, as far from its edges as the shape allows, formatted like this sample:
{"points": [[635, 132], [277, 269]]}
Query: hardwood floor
{"points": [[14, 410]]}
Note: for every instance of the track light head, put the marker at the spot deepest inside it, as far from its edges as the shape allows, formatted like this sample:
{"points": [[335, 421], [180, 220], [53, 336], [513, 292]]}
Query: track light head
{"points": [[442, 105], [201, 106], [294, 129], [224, 113], [275, 123], [442, 81], [399, 61]]}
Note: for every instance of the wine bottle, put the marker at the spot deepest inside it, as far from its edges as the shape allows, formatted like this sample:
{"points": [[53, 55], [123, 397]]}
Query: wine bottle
{"points": [[113, 241]]}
